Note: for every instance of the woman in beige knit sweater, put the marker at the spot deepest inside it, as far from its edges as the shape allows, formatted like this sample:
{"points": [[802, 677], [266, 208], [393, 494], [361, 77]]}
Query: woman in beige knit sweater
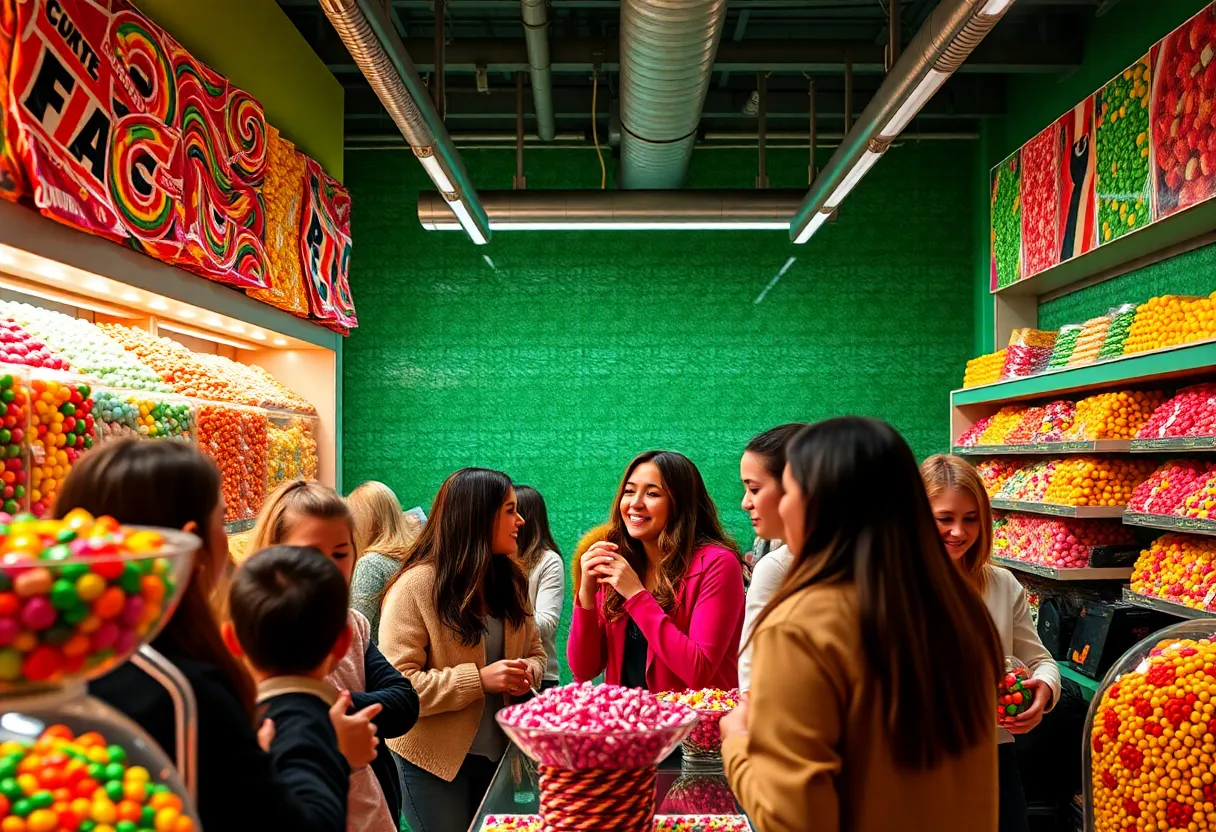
{"points": [[456, 621]]}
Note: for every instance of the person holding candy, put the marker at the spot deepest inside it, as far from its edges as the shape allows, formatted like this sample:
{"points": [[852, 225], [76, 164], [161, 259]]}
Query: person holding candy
{"points": [[964, 521], [660, 601]]}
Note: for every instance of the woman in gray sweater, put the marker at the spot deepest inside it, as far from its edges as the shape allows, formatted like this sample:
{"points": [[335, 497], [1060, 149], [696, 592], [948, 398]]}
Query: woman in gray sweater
{"points": [[385, 535], [542, 563]]}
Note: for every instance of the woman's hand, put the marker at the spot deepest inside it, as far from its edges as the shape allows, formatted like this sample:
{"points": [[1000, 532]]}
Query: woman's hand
{"points": [[356, 732], [599, 554], [618, 574], [1029, 719], [507, 676], [735, 722]]}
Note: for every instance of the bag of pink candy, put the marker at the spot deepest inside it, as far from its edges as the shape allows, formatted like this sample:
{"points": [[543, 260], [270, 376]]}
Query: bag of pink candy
{"points": [[705, 741]]}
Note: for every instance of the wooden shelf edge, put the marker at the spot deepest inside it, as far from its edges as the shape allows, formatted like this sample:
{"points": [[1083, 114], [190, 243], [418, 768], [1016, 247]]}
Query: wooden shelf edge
{"points": [[1181, 525], [1114, 573], [1054, 510], [1096, 446]]}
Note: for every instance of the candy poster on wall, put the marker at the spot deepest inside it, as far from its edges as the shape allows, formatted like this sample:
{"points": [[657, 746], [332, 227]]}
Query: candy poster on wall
{"points": [[1077, 168], [1184, 115], [1122, 186], [283, 196], [1006, 216], [325, 248], [1040, 190], [12, 179]]}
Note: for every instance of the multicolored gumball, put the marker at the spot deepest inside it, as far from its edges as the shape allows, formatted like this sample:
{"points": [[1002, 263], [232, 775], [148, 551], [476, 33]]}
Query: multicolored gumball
{"points": [[1013, 697]]}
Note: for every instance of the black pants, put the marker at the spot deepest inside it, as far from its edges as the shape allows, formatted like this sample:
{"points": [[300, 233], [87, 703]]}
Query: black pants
{"points": [[432, 804], [1012, 798]]}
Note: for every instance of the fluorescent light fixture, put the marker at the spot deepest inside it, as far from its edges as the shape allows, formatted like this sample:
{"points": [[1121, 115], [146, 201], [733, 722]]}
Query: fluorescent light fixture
{"points": [[466, 222], [995, 8], [185, 313], [99, 287], [648, 225], [811, 227], [257, 336], [912, 105], [866, 162], [130, 297], [435, 171], [279, 342], [47, 293], [159, 306], [204, 335]]}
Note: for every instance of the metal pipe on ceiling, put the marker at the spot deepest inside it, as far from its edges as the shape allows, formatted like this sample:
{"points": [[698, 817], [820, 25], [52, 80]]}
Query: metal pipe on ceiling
{"points": [[667, 59], [954, 28], [536, 37], [710, 140], [373, 42], [598, 210]]}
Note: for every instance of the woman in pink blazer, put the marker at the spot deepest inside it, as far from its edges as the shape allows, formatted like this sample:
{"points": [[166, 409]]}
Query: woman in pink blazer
{"points": [[660, 601]]}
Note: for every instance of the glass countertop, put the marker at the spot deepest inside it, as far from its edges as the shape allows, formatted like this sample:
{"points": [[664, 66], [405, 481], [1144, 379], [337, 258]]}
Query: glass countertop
{"points": [[515, 790]]}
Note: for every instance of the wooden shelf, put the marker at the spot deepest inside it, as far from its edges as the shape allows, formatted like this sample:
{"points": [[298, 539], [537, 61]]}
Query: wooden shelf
{"points": [[1189, 525], [1161, 605], [1117, 573], [1054, 510], [1092, 446], [1156, 366]]}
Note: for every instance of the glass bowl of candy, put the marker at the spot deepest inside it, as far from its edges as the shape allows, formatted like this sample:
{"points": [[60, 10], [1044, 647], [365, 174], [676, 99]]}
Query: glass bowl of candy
{"points": [[597, 727], [79, 595], [699, 793], [1013, 697], [704, 743], [1148, 726], [70, 762]]}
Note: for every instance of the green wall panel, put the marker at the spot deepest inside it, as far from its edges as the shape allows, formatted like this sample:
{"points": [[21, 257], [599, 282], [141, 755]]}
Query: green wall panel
{"points": [[557, 357]]}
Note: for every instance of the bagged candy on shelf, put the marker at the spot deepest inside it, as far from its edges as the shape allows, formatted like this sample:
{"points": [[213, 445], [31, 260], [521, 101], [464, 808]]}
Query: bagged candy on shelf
{"points": [[984, 370], [1096, 481], [1013, 697], [1025, 431], [1114, 415], [1192, 412], [1002, 424], [1121, 320], [1065, 344], [971, 436], [1028, 352], [995, 472], [1180, 568], [1058, 417], [1166, 489], [1089, 343], [1029, 484], [1201, 503], [1170, 320]]}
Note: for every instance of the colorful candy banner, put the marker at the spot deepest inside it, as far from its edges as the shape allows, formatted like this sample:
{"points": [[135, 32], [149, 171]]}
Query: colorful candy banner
{"points": [[1006, 212], [1040, 191], [325, 248]]}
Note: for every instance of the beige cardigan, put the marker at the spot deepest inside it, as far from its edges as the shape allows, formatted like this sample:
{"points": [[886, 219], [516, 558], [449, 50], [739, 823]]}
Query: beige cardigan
{"points": [[445, 673]]}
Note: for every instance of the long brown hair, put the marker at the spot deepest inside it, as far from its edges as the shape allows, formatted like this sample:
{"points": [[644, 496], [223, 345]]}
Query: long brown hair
{"points": [[535, 537], [929, 646], [692, 523], [381, 524], [471, 580], [942, 472], [166, 484]]}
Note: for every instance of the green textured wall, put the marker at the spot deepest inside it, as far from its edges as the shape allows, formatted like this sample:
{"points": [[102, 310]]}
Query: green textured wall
{"points": [[562, 355], [254, 44], [1114, 41]]}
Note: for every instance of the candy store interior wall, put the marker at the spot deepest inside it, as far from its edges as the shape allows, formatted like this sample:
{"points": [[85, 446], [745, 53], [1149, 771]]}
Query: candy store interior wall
{"points": [[559, 356], [1114, 41]]}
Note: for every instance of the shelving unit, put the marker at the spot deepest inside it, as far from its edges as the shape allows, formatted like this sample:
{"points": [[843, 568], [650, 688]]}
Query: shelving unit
{"points": [[1054, 510], [1116, 573], [1097, 446], [1174, 445], [1190, 525], [1161, 605], [1089, 687]]}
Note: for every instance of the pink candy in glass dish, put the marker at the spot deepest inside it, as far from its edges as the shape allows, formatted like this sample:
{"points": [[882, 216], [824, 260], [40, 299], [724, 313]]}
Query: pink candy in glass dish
{"points": [[705, 741], [597, 727]]}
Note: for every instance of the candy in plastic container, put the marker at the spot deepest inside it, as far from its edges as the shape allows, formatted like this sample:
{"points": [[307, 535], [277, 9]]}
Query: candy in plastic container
{"points": [[1013, 697]]}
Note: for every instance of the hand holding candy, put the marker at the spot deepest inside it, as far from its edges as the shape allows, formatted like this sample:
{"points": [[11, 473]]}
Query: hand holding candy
{"points": [[735, 722], [506, 676], [1015, 694], [1029, 719]]}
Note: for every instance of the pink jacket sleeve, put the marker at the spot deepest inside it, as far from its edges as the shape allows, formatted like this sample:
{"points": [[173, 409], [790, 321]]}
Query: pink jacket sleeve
{"points": [[713, 627], [587, 647]]}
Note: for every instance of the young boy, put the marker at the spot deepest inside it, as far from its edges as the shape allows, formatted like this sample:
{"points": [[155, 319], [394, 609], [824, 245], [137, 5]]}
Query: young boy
{"points": [[289, 623]]}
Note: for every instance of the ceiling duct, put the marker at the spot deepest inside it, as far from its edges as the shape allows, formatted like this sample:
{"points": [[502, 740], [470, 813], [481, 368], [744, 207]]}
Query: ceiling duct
{"points": [[954, 28], [373, 42], [667, 58], [615, 210], [536, 36]]}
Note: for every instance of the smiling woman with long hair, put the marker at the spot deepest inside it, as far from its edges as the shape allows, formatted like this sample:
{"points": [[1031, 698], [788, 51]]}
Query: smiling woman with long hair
{"points": [[456, 622], [660, 601], [875, 664]]}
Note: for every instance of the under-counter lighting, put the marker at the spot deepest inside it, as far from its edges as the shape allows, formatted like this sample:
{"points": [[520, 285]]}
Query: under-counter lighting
{"points": [[158, 305], [257, 336], [204, 335]]}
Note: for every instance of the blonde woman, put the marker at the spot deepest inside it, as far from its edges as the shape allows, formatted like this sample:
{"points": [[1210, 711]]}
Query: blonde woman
{"points": [[384, 535], [964, 522]]}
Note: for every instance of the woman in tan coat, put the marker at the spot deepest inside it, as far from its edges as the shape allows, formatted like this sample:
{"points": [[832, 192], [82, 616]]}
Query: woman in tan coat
{"points": [[457, 623], [875, 665]]}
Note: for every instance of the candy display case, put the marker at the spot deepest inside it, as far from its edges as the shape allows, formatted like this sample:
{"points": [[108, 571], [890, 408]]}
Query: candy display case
{"points": [[135, 414], [61, 428], [236, 438], [703, 746], [291, 448], [1148, 726]]}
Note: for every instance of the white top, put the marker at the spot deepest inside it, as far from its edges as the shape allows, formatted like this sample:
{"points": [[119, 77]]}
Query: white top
{"points": [[1010, 611], [547, 591], [767, 577]]}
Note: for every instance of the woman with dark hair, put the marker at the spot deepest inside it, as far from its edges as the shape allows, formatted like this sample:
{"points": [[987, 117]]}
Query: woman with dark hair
{"points": [[760, 469], [541, 561], [456, 622], [875, 663], [171, 485], [660, 601]]}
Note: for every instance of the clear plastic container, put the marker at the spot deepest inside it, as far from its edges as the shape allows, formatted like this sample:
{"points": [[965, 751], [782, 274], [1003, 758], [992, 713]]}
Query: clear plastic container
{"points": [[14, 445], [291, 448], [699, 793], [62, 427], [1147, 729], [578, 750], [236, 439], [135, 414]]}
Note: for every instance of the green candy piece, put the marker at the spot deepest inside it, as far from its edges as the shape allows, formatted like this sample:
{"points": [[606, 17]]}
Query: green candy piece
{"points": [[1012, 710], [65, 536], [129, 580], [84, 391], [75, 571], [125, 826], [8, 768], [67, 409], [10, 789], [42, 799], [118, 754], [22, 807], [6, 381], [114, 772], [64, 595], [87, 825], [75, 615], [147, 816], [6, 583], [114, 790], [57, 552], [8, 396], [96, 771]]}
